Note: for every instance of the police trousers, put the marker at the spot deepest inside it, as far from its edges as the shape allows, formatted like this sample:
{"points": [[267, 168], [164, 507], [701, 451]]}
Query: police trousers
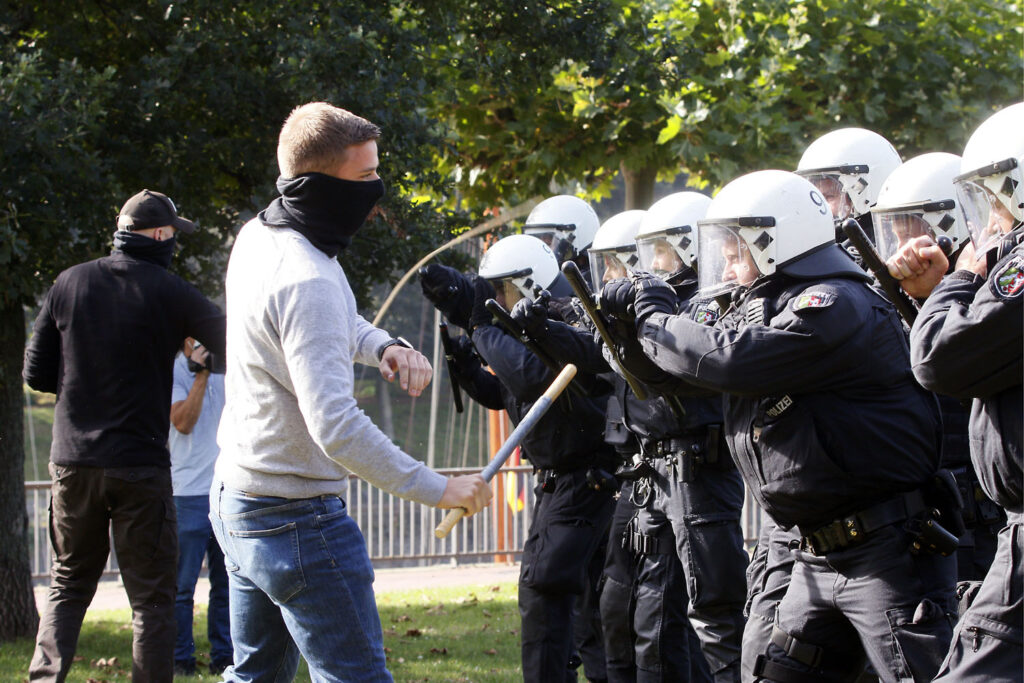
{"points": [[767, 580], [560, 566], [698, 520], [989, 638], [875, 598]]}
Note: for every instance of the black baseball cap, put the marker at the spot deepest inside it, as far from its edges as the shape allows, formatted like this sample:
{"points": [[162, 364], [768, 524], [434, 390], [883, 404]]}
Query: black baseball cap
{"points": [[150, 209]]}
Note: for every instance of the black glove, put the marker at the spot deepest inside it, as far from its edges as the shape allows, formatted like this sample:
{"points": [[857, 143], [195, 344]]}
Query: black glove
{"points": [[463, 352], [617, 300], [482, 291], [532, 317], [653, 295], [450, 291]]}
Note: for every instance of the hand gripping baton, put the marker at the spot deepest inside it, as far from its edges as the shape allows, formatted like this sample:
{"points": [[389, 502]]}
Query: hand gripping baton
{"points": [[522, 429], [905, 306], [509, 324], [582, 292]]}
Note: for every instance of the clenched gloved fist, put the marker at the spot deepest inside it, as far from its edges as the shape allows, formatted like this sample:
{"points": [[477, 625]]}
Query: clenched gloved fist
{"points": [[653, 295], [482, 291], [532, 317], [617, 300], [450, 292], [463, 352]]}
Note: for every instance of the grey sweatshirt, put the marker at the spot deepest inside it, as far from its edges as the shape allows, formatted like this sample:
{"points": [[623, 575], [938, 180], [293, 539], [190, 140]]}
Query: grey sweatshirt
{"points": [[291, 427]]}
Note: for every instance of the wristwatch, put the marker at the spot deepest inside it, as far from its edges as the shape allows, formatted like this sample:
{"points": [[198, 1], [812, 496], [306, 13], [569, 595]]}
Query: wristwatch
{"points": [[394, 341]]}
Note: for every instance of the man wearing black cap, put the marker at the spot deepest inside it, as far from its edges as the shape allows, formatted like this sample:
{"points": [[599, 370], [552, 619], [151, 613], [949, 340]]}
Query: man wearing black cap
{"points": [[104, 342]]}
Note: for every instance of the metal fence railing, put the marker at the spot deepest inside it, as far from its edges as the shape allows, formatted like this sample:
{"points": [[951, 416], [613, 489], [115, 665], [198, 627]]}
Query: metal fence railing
{"points": [[398, 533]]}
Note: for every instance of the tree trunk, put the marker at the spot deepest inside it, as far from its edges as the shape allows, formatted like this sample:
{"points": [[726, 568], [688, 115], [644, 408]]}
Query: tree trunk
{"points": [[18, 616], [639, 184]]}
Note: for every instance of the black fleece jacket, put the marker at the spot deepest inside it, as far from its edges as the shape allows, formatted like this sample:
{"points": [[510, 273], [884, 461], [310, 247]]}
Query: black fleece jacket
{"points": [[105, 342]]}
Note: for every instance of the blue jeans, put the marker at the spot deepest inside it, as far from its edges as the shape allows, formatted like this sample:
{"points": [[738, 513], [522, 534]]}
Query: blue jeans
{"points": [[196, 541], [301, 582]]}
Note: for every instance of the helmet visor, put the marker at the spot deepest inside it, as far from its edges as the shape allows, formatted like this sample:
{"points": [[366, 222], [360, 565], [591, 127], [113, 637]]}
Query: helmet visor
{"points": [[831, 187], [659, 256], [724, 260], [507, 292], [986, 202], [896, 228], [610, 264], [559, 238]]}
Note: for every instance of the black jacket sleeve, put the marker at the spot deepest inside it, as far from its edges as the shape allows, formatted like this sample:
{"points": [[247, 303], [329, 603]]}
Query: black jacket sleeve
{"points": [[482, 386], [522, 373], [568, 344], [204, 321], [800, 351], [43, 354], [967, 340]]}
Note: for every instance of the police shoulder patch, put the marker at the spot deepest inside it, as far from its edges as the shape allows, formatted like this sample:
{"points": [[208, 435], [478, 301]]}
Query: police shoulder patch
{"points": [[1009, 281], [707, 313], [812, 300]]}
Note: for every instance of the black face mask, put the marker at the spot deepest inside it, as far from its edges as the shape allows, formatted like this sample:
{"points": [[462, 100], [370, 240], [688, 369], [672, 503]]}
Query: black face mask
{"points": [[145, 248], [328, 211]]}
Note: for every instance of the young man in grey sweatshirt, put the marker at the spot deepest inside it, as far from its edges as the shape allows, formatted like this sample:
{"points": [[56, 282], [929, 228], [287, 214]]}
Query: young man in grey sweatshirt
{"points": [[300, 576]]}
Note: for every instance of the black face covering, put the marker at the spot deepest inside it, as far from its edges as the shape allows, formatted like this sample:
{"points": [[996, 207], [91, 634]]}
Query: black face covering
{"points": [[326, 210], [145, 248]]}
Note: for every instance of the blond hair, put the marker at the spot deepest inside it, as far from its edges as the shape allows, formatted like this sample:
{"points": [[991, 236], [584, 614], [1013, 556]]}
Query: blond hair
{"points": [[316, 136]]}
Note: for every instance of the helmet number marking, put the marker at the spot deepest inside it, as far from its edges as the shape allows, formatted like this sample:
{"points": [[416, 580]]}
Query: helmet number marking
{"points": [[819, 201]]}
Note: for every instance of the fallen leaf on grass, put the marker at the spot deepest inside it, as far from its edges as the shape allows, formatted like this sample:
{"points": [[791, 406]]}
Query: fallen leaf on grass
{"points": [[485, 627], [436, 651], [495, 589], [492, 651], [404, 617], [434, 609], [414, 633], [485, 613]]}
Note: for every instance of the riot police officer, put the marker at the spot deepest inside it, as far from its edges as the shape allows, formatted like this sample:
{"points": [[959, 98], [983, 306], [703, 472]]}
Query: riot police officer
{"points": [[827, 426], [565, 544], [848, 166], [664, 642], [967, 342], [918, 199], [687, 528]]}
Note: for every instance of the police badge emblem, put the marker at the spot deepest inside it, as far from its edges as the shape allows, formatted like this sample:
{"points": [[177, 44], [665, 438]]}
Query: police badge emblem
{"points": [[1009, 282], [707, 313], [813, 300]]}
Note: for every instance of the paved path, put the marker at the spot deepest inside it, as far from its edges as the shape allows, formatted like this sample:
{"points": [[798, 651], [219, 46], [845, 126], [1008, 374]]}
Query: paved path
{"points": [[111, 595]]}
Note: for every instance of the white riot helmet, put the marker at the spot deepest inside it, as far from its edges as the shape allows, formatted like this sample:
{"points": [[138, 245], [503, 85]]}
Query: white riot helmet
{"points": [[667, 241], [918, 198], [989, 186], [613, 253], [764, 222], [520, 266], [848, 166], [565, 223]]}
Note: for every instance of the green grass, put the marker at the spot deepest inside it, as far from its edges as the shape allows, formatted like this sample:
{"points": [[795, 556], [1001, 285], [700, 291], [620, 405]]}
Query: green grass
{"points": [[460, 635]]}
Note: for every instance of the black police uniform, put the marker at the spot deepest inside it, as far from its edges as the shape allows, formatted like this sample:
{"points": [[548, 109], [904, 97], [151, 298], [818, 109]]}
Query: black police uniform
{"points": [[832, 435], [768, 577], [687, 530], [564, 550], [644, 598], [967, 342]]}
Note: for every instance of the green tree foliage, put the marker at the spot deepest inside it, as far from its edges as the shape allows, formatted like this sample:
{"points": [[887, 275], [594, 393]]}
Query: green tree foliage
{"points": [[714, 88], [100, 99]]}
